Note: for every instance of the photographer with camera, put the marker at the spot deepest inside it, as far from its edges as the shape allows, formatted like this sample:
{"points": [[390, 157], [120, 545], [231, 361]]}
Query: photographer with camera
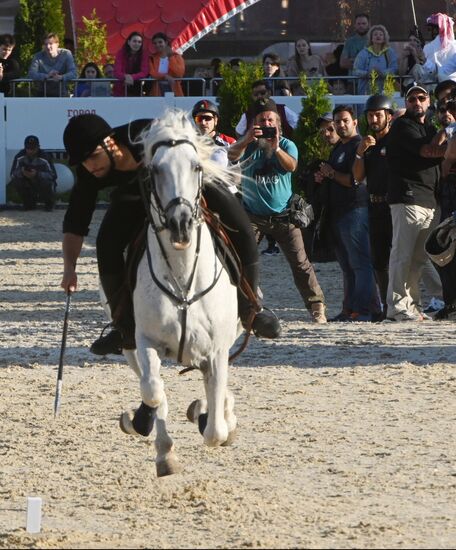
{"points": [[34, 176], [267, 161]]}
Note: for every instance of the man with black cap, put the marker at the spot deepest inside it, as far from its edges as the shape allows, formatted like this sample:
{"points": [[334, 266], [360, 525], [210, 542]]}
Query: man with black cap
{"points": [[413, 158], [267, 191], [112, 157], [33, 175]]}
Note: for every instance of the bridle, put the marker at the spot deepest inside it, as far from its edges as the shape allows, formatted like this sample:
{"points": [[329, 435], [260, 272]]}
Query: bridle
{"points": [[148, 186], [180, 293]]}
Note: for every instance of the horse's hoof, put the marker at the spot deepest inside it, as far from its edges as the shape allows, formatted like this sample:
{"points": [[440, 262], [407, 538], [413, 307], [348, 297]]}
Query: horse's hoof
{"points": [[126, 424], [195, 409], [232, 436], [168, 467]]}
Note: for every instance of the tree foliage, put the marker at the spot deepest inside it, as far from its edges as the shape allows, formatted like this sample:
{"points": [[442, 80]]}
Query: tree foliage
{"points": [[34, 20], [92, 41], [235, 93], [315, 103]]}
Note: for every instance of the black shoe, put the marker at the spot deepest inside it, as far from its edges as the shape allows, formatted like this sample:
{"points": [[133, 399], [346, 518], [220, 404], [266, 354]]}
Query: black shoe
{"points": [[441, 315], [378, 316], [111, 343], [342, 317], [271, 251], [266, 325]]}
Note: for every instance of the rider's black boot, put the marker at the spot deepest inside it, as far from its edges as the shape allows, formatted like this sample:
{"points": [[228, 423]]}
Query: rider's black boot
{"points": [[111, 343], [265, 323], [120, 302]]}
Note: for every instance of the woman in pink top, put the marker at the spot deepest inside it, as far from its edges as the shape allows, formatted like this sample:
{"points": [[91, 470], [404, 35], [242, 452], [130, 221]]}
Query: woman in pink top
{"points": [[130, 66]]}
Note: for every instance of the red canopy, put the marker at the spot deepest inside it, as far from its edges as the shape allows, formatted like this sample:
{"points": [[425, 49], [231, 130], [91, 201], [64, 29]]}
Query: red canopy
{"points": [[185, 21]]}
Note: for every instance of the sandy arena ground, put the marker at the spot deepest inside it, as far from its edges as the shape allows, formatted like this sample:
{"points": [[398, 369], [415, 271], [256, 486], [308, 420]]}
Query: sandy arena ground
{"points": [[346, 431]]}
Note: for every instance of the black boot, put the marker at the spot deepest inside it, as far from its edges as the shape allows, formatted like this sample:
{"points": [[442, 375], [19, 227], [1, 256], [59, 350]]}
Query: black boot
{"points": [[123, 323], [111, 343], [265, 323]]}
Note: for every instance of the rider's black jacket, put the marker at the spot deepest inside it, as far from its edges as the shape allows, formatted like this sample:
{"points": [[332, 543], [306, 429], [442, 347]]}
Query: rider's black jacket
{"points": [[84, 194]]}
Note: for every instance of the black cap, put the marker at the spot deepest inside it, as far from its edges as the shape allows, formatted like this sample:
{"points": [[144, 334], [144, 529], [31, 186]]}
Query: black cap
{"points": [[31, 142], [414, 86], [263, 105], [82, 136], [378, 102]]}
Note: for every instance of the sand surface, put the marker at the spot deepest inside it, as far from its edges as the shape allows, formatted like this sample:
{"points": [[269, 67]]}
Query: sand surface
{"points": [[346, 431]]}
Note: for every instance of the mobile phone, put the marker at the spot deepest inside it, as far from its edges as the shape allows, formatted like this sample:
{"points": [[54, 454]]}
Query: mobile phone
{"points": [[268, 131]]}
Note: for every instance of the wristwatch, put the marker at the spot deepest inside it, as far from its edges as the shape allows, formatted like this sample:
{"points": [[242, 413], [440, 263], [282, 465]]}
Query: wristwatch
{"points": [[359, 157]]}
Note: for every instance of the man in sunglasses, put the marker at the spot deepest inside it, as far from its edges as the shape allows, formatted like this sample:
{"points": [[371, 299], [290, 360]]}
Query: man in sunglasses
{"points": [[413, 157], [261, 91], [206, 114]]}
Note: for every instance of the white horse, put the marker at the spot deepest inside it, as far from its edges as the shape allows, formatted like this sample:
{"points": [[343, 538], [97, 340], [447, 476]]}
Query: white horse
{"points": [[185, 305]]}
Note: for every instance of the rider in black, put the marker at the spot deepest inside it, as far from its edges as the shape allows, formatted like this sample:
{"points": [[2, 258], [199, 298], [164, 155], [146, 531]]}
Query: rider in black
{"points": [[110, 157]]}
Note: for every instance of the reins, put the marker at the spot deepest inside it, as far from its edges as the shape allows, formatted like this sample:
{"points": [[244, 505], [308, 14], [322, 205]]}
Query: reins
{"points": [[180, 296]]}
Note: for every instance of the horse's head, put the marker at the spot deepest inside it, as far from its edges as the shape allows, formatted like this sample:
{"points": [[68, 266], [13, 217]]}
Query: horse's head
{"points": [[175, 171], [176, 156]]}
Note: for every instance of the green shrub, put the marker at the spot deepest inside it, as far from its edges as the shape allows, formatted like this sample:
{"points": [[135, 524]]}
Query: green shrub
{"points": [[235, 93], [315, 103], [92, 42], [34, 20]]}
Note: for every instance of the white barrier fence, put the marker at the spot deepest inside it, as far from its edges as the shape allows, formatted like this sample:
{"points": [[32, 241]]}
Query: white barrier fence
{"points": [[47, 118]]}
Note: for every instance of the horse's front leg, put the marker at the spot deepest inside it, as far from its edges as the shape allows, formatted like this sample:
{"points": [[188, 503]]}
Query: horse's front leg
{"points": [[215, 381], [154, 397], [141, 421]]}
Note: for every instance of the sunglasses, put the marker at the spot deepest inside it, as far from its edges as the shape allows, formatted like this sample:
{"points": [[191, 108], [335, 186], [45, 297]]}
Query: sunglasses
{"points": [[443, 109], [415, 98], [205, 118], [258, 94]]}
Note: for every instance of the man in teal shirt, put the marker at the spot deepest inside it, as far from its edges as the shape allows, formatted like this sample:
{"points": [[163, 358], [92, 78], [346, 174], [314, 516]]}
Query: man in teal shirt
{"points": [[267, 161]]}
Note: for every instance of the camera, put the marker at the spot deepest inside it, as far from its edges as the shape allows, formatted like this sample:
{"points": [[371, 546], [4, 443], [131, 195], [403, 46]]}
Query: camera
{"points": [[268, 132]]}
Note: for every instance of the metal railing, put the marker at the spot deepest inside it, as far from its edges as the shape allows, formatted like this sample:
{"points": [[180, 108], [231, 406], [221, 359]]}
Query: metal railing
{"points": [[193, 86], [349, 83], [198, 86]]}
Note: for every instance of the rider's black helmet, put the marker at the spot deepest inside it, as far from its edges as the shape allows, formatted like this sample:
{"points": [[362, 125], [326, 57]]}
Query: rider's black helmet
{"points": [[378, 102], [205, 106], [83, 134]]}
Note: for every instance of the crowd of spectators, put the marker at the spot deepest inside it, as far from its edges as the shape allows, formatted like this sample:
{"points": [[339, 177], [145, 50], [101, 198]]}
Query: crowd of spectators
{"points": [[381, 199], [348, 68]]}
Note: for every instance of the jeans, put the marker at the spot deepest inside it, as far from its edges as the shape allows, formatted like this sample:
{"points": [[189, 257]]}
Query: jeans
{"points": [[351, 241]]}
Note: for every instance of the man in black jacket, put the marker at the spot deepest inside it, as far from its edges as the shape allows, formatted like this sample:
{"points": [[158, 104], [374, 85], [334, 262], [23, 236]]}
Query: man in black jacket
{"points": [[33, 175], [413, 158], [9, 67], [112, 157]]}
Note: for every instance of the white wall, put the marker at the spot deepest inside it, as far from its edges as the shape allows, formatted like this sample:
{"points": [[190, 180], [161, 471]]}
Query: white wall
{"points": [[47, 118]]}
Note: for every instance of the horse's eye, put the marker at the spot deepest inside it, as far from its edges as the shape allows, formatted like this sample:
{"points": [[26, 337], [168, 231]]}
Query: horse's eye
{"points": [[198, 167]]}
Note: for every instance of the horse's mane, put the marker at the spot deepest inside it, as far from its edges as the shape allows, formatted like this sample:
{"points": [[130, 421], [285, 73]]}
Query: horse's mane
{"points": [[176, 124]]}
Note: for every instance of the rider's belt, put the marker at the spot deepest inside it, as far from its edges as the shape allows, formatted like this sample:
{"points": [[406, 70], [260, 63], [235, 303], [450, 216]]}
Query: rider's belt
{"points": [[374, 199]]}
